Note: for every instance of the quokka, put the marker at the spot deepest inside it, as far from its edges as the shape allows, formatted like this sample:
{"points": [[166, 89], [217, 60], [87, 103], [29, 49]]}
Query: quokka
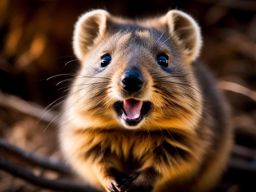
{"points": [[142, 113]]}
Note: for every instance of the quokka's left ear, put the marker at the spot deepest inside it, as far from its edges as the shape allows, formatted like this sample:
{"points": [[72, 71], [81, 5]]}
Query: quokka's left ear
{"points": [[89, 27], [185, 32]]}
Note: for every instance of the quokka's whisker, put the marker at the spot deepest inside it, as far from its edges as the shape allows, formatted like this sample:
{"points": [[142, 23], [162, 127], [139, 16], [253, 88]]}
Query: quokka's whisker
{"points": [[70, 62], [76, 76], [60, 75]]}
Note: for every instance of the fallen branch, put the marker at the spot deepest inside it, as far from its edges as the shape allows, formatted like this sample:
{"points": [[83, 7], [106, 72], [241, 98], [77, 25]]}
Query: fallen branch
{"points": [[25, 107], [33, 159], [237, 88], [243, 166], [244, 153], [59, 184]]}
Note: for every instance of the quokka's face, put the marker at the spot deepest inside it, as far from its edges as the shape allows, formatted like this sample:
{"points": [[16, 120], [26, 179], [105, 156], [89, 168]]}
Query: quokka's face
{"points": [[137, 77]]}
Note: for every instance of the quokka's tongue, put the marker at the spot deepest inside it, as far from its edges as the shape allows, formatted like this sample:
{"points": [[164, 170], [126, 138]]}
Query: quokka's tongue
{"points": [[132, 108]]}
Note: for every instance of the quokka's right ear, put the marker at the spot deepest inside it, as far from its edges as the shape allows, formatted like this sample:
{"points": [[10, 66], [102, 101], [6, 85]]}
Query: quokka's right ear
{"points": [[88, 29], [185, 31]]}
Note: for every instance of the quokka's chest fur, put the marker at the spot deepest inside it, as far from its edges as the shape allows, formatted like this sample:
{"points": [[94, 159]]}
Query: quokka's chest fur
{"points": [[142, 148], [153, 155], [141, 114]]}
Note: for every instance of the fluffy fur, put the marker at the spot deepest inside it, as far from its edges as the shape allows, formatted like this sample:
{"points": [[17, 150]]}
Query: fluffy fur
{"points": [[182, 144]]}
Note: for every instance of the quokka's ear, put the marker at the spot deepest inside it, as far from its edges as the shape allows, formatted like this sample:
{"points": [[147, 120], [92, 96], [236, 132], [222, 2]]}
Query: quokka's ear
{"points": [[88, 29], [185, 31]]}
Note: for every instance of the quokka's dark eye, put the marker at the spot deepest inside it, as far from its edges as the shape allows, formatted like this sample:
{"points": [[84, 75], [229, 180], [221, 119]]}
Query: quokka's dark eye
{"points": [[105, 60], [162, 60]]}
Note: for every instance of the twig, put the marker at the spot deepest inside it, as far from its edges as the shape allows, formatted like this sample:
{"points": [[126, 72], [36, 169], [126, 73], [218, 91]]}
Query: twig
{"points": [[244, 166], [244, 152], [33, 159], [28, 108], [59, 184], [237, 88]]}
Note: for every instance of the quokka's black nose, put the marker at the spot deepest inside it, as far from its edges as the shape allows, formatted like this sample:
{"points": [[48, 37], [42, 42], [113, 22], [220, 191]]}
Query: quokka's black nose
{"points": [[132, 80]]}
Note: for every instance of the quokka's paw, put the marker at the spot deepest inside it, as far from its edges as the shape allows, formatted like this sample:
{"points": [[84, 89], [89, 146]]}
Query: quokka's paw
{"points": [[114, 186], [111, 185], [120, 182], [127, 184]]}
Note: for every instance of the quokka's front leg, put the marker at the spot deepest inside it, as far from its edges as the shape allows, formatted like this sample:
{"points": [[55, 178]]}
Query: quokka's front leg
{"points": [[145, 181], [114, 180]]}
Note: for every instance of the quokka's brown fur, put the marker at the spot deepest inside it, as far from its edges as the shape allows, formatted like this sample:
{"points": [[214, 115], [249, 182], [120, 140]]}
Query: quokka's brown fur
{"points": [[181, 143]]}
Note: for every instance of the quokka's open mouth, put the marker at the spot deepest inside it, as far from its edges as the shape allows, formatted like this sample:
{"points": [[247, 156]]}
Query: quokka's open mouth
{"points": [[132, 111]]}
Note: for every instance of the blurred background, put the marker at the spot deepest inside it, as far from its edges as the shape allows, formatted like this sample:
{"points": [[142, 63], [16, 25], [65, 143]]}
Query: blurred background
{"points": [[35, 47]]}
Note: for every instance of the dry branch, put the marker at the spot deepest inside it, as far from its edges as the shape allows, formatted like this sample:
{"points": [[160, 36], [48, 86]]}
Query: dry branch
{"points": [[25, 107], [62, 185], [33, 159], [244, 153], [243, 166], [237, 88]]}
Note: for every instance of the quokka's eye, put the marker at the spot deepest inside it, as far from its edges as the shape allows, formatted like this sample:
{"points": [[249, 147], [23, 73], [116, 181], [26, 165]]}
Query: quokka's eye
{"points": [[162, 60], [105, 60]]}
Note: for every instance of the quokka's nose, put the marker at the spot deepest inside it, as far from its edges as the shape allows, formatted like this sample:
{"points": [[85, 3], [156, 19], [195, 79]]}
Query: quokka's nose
{"points": [[132, 80]]}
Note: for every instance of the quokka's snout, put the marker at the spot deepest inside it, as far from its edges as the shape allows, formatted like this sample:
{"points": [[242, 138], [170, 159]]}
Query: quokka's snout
{"points": [[132, 80]]}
